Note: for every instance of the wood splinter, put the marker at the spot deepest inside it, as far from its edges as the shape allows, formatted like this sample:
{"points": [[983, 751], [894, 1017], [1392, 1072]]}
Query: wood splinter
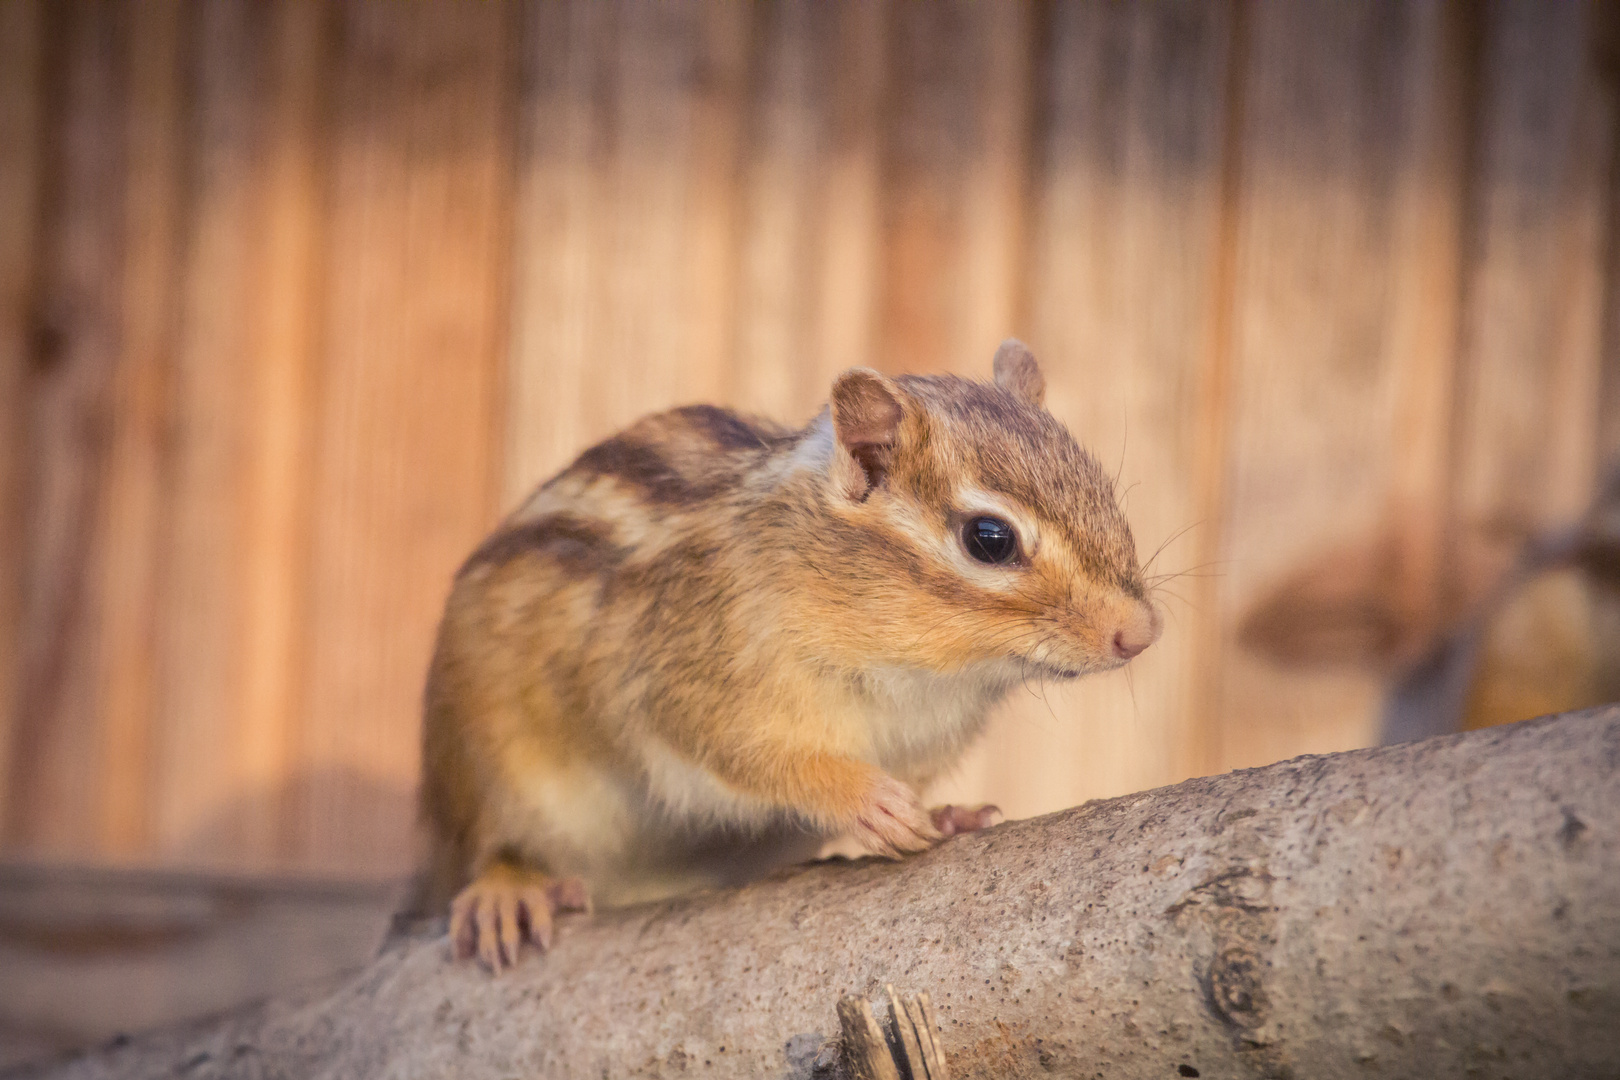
{"points": [[909, 1049]]}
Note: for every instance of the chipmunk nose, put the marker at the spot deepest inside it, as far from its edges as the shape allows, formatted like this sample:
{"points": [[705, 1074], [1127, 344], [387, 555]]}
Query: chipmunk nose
{"points": [[1137, 632]]}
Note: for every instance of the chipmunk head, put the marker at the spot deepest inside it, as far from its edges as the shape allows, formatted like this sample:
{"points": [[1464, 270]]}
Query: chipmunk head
{"points": [[1004, 534]]}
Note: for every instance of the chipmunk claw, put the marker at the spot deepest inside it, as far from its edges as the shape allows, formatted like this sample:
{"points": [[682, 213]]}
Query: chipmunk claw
{"points": [[505, 906]]}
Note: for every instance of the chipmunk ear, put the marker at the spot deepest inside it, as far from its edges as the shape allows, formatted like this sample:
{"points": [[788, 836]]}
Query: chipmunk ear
{"points": [[1018, 373], [866, 415]]}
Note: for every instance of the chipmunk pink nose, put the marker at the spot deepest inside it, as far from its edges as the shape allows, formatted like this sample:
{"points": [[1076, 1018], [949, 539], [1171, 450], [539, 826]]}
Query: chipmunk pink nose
{"points": [[1126, 646], [1137, 633]]}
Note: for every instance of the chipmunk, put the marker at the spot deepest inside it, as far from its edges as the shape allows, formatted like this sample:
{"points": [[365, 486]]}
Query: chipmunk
{"points": [[712, 642]]}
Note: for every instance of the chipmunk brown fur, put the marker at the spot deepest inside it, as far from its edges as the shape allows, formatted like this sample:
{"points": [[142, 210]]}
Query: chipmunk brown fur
{"points": [[711, 642]]}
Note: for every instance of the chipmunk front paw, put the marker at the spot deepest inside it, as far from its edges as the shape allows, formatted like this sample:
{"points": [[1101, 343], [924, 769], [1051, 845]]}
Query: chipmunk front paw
{"points": [[891, 822], [506, 905]]}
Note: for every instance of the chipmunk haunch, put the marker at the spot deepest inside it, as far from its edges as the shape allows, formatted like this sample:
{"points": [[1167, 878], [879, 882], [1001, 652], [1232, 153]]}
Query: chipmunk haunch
{"points": [[712, 643]]}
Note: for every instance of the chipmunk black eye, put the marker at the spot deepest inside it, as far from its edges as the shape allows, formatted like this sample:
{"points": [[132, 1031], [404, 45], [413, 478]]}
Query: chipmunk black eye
{"points": [[990, 540]]}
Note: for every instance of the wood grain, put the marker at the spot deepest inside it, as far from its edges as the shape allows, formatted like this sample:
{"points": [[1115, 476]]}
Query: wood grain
{"points": [[625, 263], [232, 586], [22, 58], [289, 282], [131, 515], [1427, 290], [407, 427], [955, 147], [1528, 398], [55, 767], [567, 52], [1331, 125], [810, 191], [866, 1052], [200, 607]]}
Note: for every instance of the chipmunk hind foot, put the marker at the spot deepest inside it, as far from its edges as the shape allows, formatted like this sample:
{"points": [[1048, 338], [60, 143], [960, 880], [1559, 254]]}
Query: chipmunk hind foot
{"points": [[506, 905]]}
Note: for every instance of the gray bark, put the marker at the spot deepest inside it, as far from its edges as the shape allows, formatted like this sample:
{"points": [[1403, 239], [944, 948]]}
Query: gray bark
{"points": [[1444, 908]]}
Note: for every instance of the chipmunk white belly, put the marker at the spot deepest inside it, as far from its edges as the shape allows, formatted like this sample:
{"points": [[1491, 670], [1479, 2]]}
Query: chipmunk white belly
{"points": [[921, 720], [918, 721]]}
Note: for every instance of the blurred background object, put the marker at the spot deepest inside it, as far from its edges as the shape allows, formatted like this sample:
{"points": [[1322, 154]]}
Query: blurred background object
{"points": [[91, 955], [1545, 638], [296, 297], [1536, 634]]}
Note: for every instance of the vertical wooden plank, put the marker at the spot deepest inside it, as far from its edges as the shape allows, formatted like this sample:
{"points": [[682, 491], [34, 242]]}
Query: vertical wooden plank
{"points": [[408, 421], [848, 288], [1530, 406], [130, 515], [781, 177], [234, 545], [1335, 103], [289, 286], [55, 769], [1124, 283], [625, 262], [1122, 266], [809, 239], [199, 606], [674, 64], [1529, 392], [706, 281], [1606, 91], [993, 284], [566, 65], [22, 74], [1425, 333], [956, 132], [1212, 420]]}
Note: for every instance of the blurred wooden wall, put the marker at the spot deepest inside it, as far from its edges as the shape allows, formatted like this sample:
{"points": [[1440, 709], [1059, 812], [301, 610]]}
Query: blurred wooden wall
{"points": [[296, 297]]}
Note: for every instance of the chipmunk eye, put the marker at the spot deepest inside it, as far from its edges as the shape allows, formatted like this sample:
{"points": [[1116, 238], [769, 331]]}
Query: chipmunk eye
{"points": [[990, 540]]}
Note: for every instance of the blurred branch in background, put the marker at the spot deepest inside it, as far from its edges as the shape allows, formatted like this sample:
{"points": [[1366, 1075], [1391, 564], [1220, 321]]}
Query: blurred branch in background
{"points": [[1525, 626]]}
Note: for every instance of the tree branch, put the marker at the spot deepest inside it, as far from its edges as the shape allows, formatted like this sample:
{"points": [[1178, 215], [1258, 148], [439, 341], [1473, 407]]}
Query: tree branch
{"points": [[1443, 908]]}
